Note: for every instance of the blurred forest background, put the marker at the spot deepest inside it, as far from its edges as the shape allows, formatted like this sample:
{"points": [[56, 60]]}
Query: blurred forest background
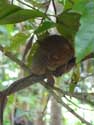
{"points": [[35, 105]]}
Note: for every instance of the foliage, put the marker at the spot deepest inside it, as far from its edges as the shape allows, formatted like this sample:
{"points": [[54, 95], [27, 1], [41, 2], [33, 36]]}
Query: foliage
{"points": [[84, 41], [20, 21], [67, 22], [14, 14]]}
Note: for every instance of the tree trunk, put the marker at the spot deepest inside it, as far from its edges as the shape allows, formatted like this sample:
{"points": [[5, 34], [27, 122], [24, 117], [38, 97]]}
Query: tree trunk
{"points": [[39, 119], [55, 113]]}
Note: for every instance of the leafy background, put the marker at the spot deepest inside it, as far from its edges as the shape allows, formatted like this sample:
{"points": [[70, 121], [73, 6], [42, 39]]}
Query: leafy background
{"points": [[21, 20]]}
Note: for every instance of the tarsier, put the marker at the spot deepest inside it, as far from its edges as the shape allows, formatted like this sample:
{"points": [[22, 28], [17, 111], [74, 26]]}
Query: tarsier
{"points": [[54, 56]]}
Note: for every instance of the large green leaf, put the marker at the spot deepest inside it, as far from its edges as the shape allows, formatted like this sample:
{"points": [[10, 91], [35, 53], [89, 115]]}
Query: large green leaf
{"points": [[84, 40], [68, 23], [68, 4], [83, 6], [17, 41], [45, 26], [2, 2], [10, 14]]}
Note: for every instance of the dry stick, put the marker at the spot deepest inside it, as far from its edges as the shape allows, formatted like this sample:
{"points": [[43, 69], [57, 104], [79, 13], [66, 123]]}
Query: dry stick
{"points": [[59, 100]]}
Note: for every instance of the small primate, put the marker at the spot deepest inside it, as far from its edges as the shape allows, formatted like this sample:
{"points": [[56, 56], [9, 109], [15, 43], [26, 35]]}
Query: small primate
{"points": [[53, 56]]}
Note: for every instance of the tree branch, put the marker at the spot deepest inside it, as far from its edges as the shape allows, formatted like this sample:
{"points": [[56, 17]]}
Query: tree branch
{"points": [[54, 6], [70, 101], [30, 80], [83, 96], [14, 87], [13, 58], [86, 97], [59, 100], [23, 83]]}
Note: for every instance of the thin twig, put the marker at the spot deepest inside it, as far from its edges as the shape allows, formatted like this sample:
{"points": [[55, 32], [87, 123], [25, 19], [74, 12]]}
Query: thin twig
{"points": [[35, 8], [59, 100], [77, 105], [74, 113], [88, 75], [54, 6], [45, 105], [13, 58], [45, 11], [81, 96], [27, 5]]}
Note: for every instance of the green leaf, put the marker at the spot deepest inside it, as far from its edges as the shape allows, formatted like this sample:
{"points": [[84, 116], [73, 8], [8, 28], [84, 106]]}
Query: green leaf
{"points": [[32, 53], [2, 2], [45, 26], [68, 23], [10, 14], [10, 99], [18, 40], [80, 6], [68, 4], [72, 87], [74, 79], [84, 40]]}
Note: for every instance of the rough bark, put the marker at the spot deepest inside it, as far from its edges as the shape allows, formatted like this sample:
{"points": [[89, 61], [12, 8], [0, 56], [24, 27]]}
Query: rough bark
{"points": [[55, 113]]}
